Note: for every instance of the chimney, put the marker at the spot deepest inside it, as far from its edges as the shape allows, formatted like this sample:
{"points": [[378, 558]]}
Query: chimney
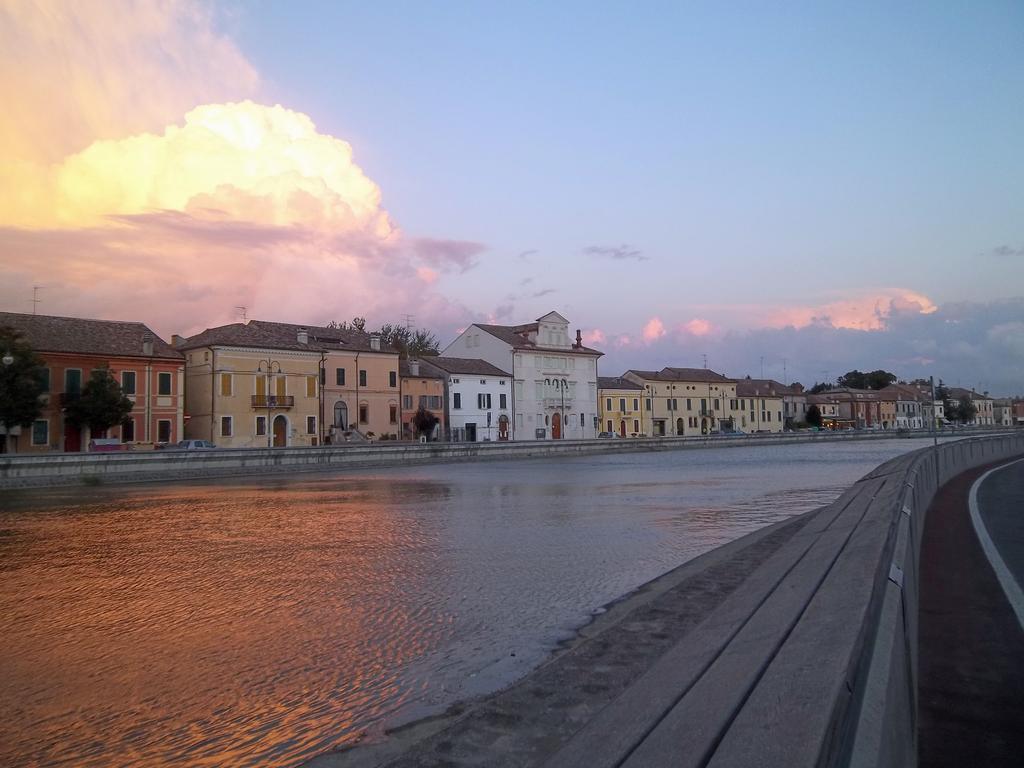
{"points": [[303, 336], [176, 340], [414, 367], [147, 344], [375, 342], [579, 339]]}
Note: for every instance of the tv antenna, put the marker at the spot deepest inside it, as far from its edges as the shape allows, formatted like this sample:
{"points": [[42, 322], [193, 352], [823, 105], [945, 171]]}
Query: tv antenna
{"points": [[242, 313], [35, 297], [408, 321]]}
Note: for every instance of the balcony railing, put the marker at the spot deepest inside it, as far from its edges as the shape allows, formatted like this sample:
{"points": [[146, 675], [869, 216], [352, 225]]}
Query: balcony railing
{"points": [[273, 401], [557, 402]]}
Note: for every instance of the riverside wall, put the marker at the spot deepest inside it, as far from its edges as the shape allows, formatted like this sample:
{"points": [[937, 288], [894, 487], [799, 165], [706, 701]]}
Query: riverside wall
{"points": [[883, 728], [144, 466]]}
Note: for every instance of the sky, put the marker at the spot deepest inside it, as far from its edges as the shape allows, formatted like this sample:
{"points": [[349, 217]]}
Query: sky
{"points": [[794, 192]]}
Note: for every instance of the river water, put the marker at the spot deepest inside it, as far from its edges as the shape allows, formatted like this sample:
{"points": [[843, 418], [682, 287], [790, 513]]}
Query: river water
{"points": [[264, 621]]}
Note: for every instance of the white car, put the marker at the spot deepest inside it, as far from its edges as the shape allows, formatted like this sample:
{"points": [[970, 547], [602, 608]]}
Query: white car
{"points": [[195, 445]]}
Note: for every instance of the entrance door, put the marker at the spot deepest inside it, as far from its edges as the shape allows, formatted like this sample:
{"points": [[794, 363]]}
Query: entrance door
{"points": [[503, 427], [280, 431], [556, 426], [679, 426], [622, 428], [471, 433], [72, 438], [340, 416]]}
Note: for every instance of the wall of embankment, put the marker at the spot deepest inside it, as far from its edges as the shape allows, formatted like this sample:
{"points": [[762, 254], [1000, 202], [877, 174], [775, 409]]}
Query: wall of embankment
{"points": [[881, 728], [146, 466]]}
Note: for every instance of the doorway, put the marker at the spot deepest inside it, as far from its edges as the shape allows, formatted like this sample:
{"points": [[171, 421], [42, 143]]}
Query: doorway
{"points": [[280, 431], [72, 438], [556, 426], [340, 416], [503, 427], [679, 426], [471, 433], [622, 428]]}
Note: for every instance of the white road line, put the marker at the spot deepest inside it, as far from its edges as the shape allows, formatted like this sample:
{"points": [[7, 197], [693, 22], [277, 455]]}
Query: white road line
{"points": [[1010, 586]]}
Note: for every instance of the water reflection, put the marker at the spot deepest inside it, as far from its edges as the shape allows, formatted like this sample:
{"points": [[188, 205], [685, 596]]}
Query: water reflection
{"points": [[262, 622]]}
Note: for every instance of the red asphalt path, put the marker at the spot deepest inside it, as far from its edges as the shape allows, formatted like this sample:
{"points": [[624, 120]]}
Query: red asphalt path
{"points": [[971, 683]]}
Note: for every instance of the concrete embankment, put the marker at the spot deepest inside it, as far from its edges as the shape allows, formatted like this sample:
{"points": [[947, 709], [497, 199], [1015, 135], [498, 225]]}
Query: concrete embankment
{"points": [[69, 468], [796, 646]]}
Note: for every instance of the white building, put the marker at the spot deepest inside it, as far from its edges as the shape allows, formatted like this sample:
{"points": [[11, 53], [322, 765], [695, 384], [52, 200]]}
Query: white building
{"points": [[478, 398], [554, 379]]}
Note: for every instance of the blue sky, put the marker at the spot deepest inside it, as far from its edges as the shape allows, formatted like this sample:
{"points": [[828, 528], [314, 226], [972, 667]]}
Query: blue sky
{"points": [[838, 185]]}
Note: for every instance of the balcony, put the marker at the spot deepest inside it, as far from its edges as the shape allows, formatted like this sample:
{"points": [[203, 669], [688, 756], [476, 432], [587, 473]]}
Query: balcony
{"points": [[273, 401], [558, 402]]}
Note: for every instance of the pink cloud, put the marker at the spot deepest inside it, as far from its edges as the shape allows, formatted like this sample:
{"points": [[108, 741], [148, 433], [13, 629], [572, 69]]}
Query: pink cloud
{"points": [[594, 336], [868, 311], [653, 330], [427, 275], [697, 327]]}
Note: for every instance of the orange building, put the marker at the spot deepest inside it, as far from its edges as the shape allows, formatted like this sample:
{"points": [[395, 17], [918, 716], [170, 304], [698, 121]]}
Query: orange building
{"points": [[150, 372], [421, 386]]}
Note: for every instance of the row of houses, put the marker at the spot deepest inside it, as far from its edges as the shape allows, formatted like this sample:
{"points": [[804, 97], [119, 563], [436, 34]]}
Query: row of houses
{"points": [[260, 384]]}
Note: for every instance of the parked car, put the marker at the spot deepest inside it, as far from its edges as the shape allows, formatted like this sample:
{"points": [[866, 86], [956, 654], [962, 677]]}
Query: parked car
{"points": [[608, 435], [195, 445]]}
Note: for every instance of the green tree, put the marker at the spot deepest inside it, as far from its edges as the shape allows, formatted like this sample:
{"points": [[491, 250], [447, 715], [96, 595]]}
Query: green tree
{"points": [[424, 421], [819, 387], [966, 409], [877, 379], [22, 381], [814, 416], [101, 405], [357, 324], [410, 342]]}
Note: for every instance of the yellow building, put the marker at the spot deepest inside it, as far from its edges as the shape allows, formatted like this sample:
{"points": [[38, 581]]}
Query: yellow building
{"points": [[620, 405], [761, 405], [687, 401], [260, 384]]}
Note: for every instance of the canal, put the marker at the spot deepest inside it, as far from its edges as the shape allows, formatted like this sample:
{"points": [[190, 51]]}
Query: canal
{"points": [[261, 622]]}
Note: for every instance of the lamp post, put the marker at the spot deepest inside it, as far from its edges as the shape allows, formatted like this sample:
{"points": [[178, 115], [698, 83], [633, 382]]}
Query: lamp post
{"points": [[272, 366]]}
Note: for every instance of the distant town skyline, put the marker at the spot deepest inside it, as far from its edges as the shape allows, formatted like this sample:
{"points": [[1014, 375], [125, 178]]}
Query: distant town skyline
{"points": [[809, 189]]}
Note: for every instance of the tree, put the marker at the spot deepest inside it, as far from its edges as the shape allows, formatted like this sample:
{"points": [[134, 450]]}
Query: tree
{"points": [[410, 342], [877, 379], [966, 409], [22, 382], [357, 324], [101, 405], [424, 421], [814, 416], [819, 387]]}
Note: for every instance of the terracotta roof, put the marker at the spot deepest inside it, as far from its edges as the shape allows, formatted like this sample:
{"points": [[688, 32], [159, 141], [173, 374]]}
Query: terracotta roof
{"points": [[762, 388], [617, 382], [703, 375], [426, 371], [46, 333], [466, 365], [957, 392], [268, 335], [513, 336]]}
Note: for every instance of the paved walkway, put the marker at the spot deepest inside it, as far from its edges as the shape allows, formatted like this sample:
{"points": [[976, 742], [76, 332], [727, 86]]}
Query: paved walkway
{"points": [[971, 689]]}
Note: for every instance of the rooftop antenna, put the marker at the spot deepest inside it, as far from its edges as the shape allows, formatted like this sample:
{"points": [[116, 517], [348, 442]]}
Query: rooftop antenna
{"points": [[785, 376], [705, 361], [408, 321], [35, 297], [243, 313], [762, 366]]}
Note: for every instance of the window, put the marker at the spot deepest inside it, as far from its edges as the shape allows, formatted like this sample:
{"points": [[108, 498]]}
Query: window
{"points": [[607, 403], [225, 385], [483, 401], [311, 386], [636, 404], [364, 414], [163, 384], [393, 413], [392, 378], [225, 426], [703, 405], [648, 403], [608, 426], [689, 404], [311, 425], [622, 404], [163, 428], [40, 432], [636, 425], [455, 381], [456, 400], [128, 431], [339, 377], [407, 402], [362, 378], [261, 426], [323, 376], [45, 378], [483, 381], [503, 400], [716, 404], [128, 382], [73, 381], [583, 420]]}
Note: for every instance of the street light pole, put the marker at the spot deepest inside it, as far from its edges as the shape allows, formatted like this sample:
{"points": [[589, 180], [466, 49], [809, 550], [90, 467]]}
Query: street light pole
{"points": [[266, 374]]}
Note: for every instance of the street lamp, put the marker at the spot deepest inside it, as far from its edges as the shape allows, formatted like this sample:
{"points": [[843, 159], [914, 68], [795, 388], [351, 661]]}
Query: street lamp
{"points": [[7, 359], [272, 366]]}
